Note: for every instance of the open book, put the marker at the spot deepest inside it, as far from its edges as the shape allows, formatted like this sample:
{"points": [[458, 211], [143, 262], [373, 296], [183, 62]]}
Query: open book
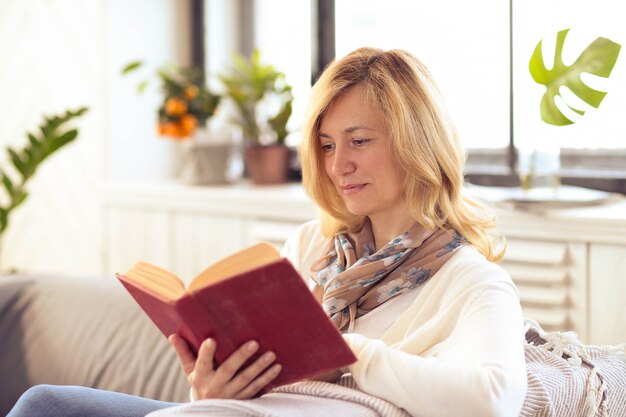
{"points": [[251, 295]]}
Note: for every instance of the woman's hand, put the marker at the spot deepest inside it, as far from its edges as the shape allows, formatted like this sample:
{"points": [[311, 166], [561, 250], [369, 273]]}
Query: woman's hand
{"points": [[227, 381]]}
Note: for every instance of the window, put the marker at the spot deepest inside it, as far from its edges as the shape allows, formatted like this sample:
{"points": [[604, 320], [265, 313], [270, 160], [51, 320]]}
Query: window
{"points": [[282, 32], [478, 53], [536, 19], [594, 147], [469, 58]]}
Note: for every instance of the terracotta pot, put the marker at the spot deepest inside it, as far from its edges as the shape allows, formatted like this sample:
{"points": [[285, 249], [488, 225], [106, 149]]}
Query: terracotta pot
{"points": [[267, 164]]}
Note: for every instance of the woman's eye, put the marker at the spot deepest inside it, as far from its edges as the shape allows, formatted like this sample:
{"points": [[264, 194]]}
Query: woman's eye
{"points": [[326, 147], [360, 141]]}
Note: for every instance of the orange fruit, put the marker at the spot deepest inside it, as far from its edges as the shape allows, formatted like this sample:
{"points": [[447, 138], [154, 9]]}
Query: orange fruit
{"points": [[170, 129], [175, 106], [188, 124], [191, 92]]}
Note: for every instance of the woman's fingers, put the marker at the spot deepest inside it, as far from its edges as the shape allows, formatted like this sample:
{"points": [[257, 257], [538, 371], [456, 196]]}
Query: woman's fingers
{"points": [[231, 366], [245, 377], [229, 380], [255, 386], [202, 379], [245, 383], [204, 361], [186, 357]]}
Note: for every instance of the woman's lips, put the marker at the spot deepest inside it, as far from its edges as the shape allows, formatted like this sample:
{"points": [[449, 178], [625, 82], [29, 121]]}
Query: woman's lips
{"points": [[351, 189]]}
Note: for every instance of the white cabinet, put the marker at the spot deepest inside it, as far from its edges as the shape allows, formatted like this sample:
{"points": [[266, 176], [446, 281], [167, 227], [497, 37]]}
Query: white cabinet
{"points": [[569, 265], [570, 268], [607, 293], [185, 228], [551, 277]]}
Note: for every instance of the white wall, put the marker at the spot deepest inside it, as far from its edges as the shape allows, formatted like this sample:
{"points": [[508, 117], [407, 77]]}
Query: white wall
{"points": [[59, 54], [157, 32]]}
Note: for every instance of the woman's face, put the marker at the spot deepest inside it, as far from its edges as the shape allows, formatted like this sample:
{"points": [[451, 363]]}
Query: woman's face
{"points": [[357, 156]]}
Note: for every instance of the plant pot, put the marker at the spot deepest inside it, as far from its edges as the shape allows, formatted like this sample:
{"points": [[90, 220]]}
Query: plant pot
{"points": [[207, 163], [267, 164]]}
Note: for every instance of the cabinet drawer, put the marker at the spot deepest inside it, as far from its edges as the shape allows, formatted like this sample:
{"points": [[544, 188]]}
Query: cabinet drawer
{"points": [[271, 231], [536, 252], [551, 277]]}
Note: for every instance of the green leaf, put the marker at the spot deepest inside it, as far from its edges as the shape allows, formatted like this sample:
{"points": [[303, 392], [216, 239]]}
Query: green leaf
{"points": [[3, 219], [33, 140], [247, 82], [142, 86], [46, 127], [79, 112], [8, 184], [17, 161], [30, 157], [20, 197], [279, 122], [29, 153], [598, 58], [131, 66], [59, 141]]}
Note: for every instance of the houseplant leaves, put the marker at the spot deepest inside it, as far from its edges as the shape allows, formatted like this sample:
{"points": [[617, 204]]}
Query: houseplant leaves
{"points": [[187, 101], [598, 58], [248, 83], [52, 136]]}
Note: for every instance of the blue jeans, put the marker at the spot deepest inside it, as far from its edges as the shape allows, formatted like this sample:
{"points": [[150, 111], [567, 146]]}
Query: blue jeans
{"points": [[69, 401]]}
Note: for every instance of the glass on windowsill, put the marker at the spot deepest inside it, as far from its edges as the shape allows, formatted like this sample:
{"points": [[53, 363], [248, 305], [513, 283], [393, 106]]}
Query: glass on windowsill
{"points": [[538, 167]]}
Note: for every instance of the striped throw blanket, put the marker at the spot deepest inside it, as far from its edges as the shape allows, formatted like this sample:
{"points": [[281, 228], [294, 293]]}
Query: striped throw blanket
{"points": [[569, 379], [302, 399], [565, 379]]}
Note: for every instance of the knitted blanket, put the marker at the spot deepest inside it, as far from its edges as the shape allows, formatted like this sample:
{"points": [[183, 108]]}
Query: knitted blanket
{"points": [[302, 399], [565, 379], [569, 379]]}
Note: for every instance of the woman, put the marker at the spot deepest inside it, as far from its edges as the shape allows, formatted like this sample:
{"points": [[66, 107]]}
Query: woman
{"points": [[400, 261]]}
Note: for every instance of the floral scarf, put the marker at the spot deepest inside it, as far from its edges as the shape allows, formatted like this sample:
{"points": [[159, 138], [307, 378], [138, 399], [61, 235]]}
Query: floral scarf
{"points": [[356, 280]]}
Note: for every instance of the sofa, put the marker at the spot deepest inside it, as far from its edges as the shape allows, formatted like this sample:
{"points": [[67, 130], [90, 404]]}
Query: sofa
{"points": [[90, 332], [81, 331]]}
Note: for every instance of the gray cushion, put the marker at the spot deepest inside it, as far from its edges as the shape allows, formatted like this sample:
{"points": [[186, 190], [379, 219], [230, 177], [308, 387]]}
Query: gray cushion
{"points": [[87, 332]]}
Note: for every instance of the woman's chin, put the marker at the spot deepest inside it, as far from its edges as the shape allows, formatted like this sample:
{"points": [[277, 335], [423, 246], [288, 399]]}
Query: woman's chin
{"points": [[357, 210]]}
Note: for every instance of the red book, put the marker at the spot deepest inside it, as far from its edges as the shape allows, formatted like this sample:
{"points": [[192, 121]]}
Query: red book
{"points": [[251, 295]]}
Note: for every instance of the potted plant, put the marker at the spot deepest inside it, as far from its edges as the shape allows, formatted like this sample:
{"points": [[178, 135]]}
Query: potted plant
{"points": [[187, 103], [263, 103], [186, 108]]}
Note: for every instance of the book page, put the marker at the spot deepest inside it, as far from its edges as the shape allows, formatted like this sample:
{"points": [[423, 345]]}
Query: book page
{"points": [[242, 261], [156, 279]]}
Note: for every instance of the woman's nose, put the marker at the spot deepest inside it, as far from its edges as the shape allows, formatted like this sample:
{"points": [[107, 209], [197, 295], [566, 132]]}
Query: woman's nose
{"points": [[342, 163]]}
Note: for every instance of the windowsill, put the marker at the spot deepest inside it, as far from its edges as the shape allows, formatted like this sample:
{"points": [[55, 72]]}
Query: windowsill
{"points": [[599, 181], [598, 169]]}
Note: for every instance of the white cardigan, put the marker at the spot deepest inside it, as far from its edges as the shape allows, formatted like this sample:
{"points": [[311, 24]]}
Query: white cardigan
{"points": [[455, 347]]}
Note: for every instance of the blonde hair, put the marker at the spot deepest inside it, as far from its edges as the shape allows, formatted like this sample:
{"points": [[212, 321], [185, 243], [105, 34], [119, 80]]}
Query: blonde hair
{"points": [[424, 145]]}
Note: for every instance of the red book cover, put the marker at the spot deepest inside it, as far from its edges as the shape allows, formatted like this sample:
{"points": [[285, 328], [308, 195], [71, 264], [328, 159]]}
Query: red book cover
{"points": [[270, 304]]}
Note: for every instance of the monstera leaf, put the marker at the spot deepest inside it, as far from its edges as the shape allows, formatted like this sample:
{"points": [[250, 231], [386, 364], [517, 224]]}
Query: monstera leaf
{"points": [[597, 59]]}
